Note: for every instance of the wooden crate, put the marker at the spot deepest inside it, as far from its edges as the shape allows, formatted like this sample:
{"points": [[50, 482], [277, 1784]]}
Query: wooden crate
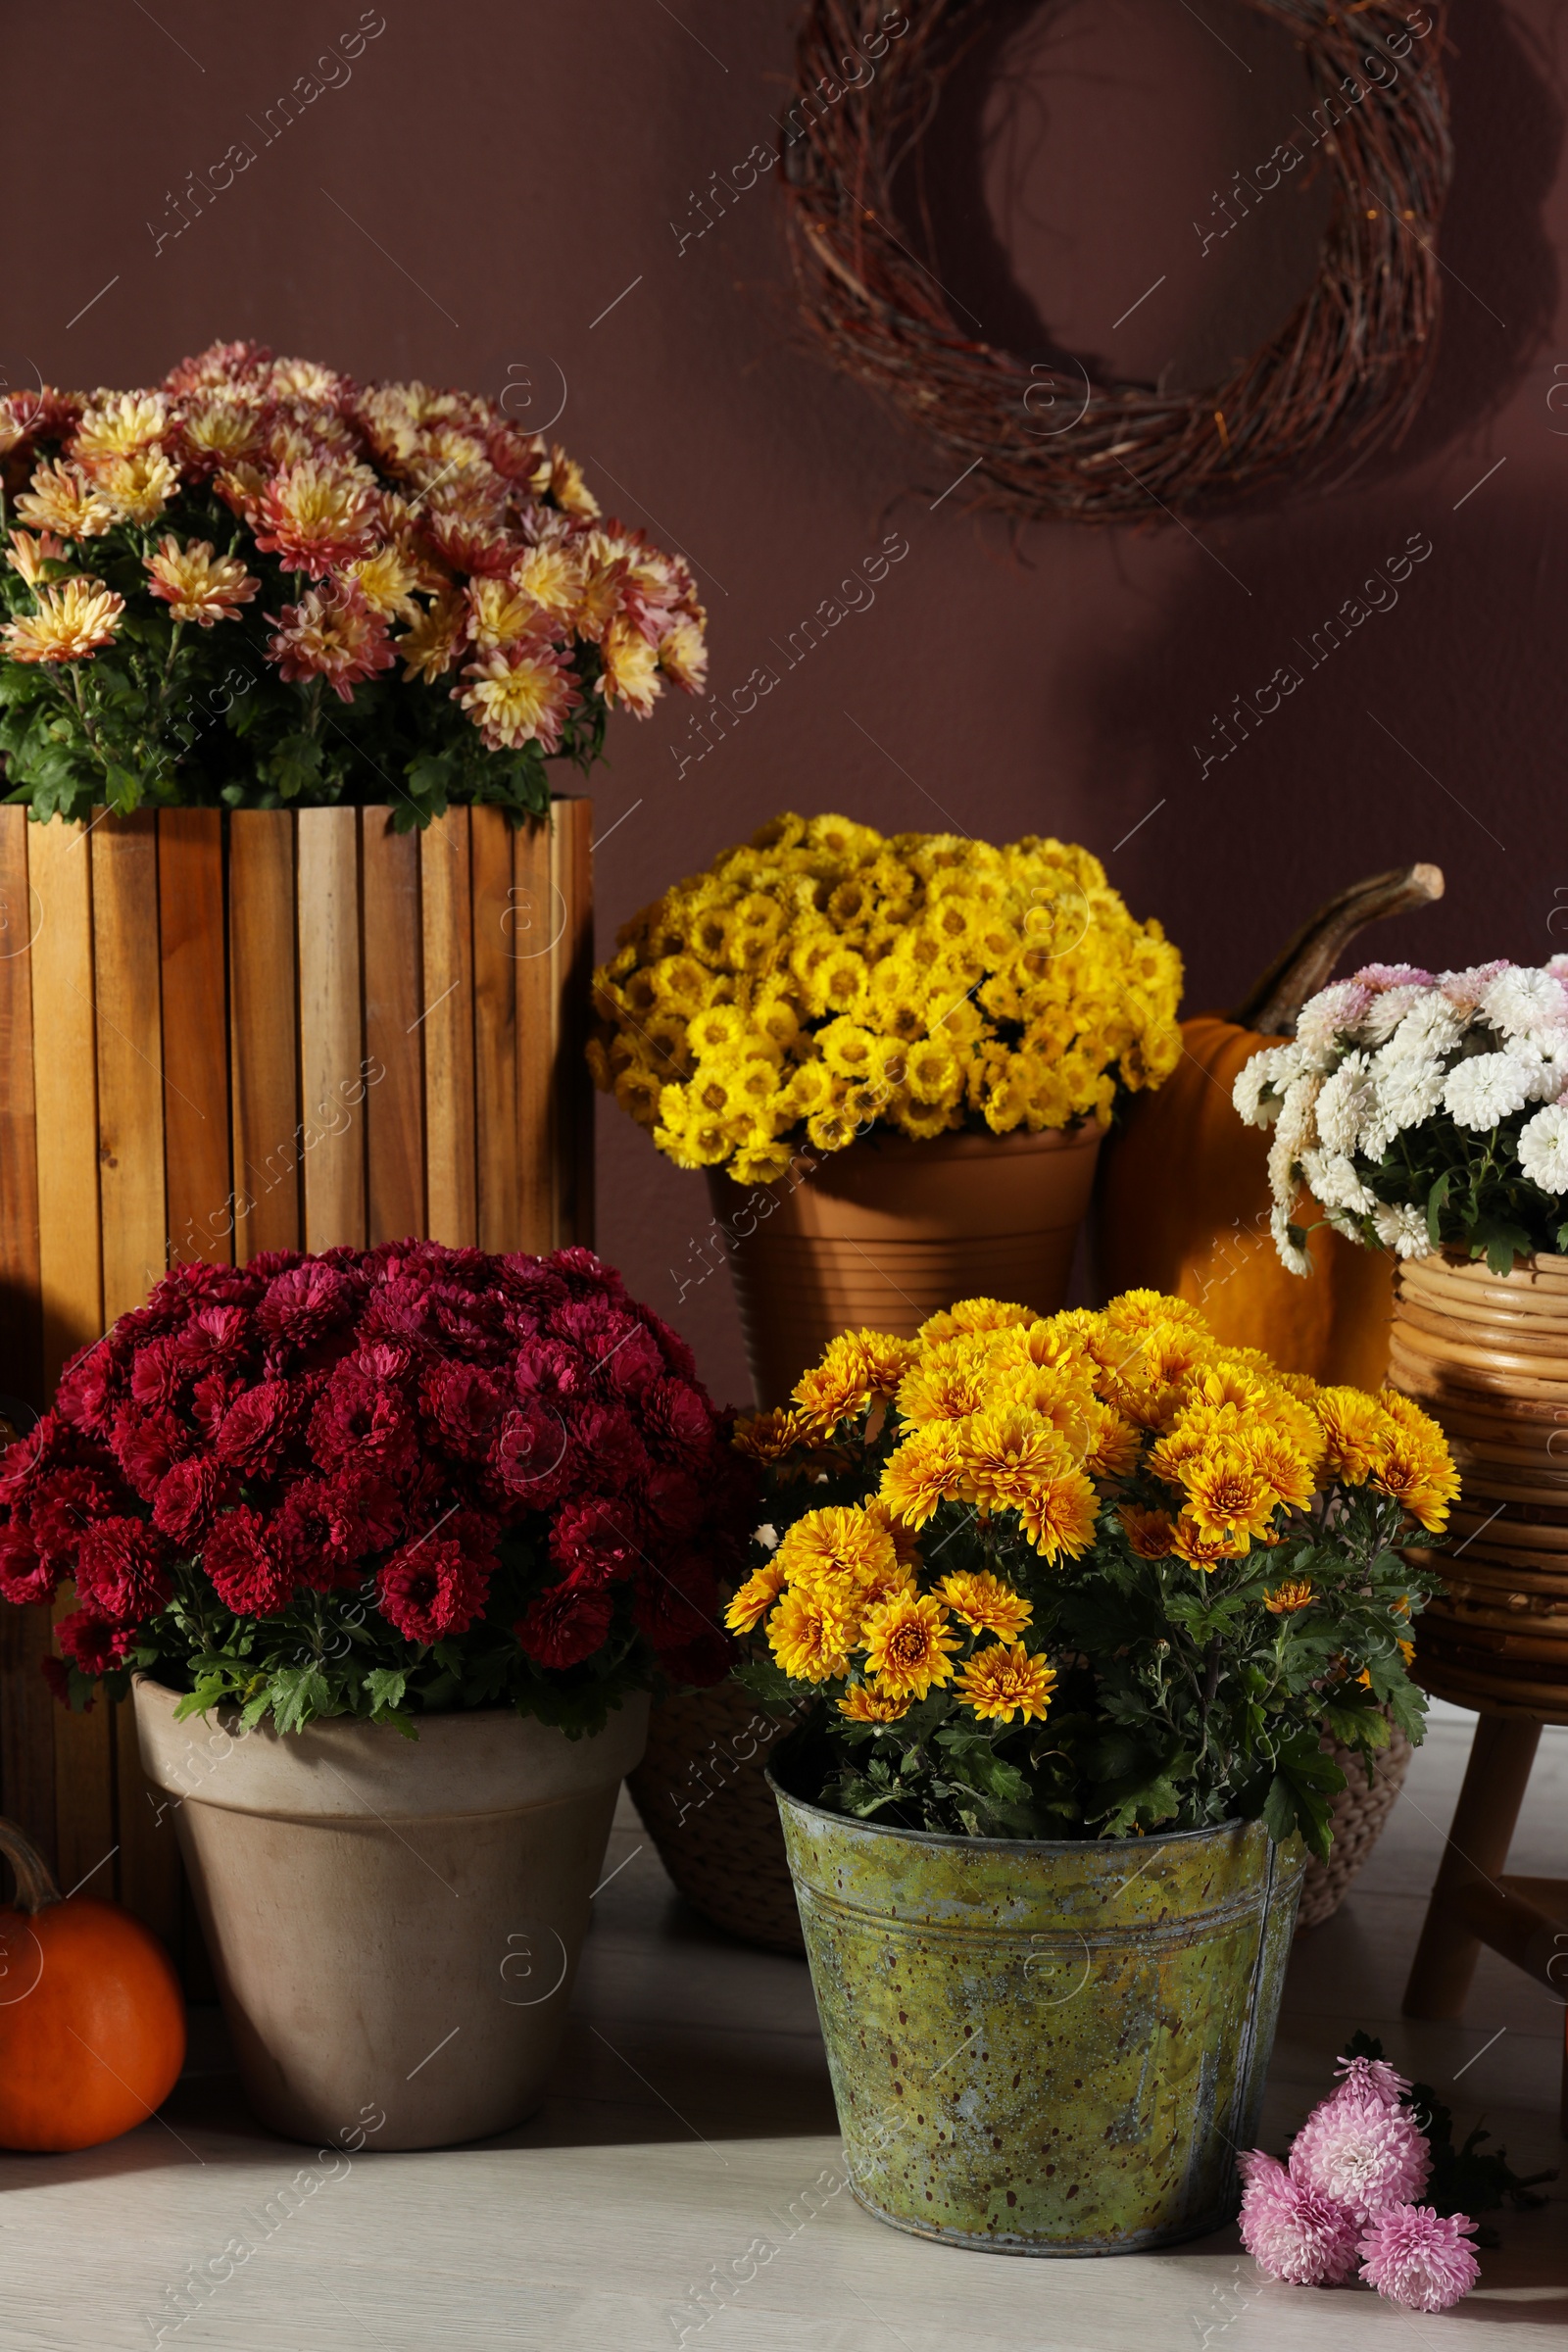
{"points": [[222, 1034]]}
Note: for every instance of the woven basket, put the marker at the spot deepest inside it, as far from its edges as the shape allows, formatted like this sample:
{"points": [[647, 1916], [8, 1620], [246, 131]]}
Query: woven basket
{"points": [[710, 1811], [1359, 1814], [707, 1808]]}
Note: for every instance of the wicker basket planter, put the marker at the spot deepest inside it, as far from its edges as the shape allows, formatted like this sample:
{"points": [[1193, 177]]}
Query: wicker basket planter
{"points": [[225, 1034], [1360, 1816], [1486, 1355]]}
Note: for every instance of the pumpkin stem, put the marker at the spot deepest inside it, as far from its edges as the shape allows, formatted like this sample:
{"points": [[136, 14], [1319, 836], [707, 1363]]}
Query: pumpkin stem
{"points": [[35, 1887], [1307, 962]]}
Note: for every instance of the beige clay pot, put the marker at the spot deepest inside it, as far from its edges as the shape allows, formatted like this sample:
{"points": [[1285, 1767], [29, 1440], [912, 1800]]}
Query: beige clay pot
{"points": [[394, 1924], [890, 1230]]}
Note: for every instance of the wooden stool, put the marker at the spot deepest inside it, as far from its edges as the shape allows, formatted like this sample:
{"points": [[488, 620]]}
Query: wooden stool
{"points": [[1474, 1901]]}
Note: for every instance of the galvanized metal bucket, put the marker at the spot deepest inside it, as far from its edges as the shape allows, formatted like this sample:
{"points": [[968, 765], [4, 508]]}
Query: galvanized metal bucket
{"points": [[1045, 2048]]}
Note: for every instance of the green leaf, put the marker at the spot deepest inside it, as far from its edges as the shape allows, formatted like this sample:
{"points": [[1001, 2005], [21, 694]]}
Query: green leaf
{"points": [[297, 1694], [386, 1685]]}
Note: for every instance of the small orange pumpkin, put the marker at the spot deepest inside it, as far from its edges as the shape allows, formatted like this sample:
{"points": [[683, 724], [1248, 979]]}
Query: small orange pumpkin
{"points": [[92, 2021], [1183, 1204]]}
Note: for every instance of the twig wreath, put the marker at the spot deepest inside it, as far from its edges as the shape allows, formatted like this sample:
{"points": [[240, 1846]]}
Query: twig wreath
{"points": [[1042, 440]]}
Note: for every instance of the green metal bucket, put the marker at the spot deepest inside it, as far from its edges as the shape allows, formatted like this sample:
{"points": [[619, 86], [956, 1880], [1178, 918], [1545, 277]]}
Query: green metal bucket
{"points": [[1045, 2048]]}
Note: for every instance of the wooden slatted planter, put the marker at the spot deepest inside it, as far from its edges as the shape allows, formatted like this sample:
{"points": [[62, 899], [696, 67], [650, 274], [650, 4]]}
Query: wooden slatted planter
{"points": [[221, 1035]]}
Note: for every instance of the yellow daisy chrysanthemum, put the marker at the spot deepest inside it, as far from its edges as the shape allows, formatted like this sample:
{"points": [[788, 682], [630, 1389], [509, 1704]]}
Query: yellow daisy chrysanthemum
{"points": [[752, 1602], [1296, 1593], [926, 1471], [862, 1704], [908, 1645], [984, 1604], [836, 1542], [1002, 1680], [810, 1636]]}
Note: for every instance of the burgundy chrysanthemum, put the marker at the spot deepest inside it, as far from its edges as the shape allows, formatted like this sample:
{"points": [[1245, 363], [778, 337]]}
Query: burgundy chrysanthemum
{"points": [[465, 1405], [25, 1576], [95, 1643], [257, 1427], [431, 1588], [1414, 2257], [566, 1623], [122, 1570], [148, 1441], [394, 1420], [243, 1568], [191, 1496]]}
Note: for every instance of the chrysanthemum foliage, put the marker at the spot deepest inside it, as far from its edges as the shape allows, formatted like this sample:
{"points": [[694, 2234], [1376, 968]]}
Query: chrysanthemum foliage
{"points": [[1092, 1575], [208, 588], [381, 1483]]}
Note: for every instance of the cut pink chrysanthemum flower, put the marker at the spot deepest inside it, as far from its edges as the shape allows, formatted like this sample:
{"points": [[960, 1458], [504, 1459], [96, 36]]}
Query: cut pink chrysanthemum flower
{"points": [[1367, 2079], [1414, 2257], [1362, 2153], [1292, 2231]]}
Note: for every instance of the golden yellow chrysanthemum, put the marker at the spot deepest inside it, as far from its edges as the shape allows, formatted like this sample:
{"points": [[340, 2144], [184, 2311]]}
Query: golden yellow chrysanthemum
{"points": [[1279, 1465], [809, 1634], [984, 1604], [836, 1542], [836, 1388], [1010, 1456], [1226, 1497], [1352, 1426], [1296, 1593], [926, 1471], [769, 1435], [72, 622], [862, 1704], [1002, 1680], [1149, 1533], [753, 1600], [1059, 1517], [1204, 1547], [1419, 1475], [198, 585], [908, 1644]]}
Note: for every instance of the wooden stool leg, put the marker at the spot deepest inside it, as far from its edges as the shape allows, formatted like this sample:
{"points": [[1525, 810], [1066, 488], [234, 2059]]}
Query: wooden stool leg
{"points": [[1495, 1784]]}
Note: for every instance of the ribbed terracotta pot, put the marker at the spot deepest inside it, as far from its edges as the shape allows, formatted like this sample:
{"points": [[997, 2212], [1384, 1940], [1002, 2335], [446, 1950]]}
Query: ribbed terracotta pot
{"points": [[885, 1233], [1041, 2047], [394, 1924], [1486, 1355]]}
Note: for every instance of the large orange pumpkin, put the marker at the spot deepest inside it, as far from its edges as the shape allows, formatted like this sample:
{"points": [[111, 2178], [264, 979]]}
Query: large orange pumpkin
{"points": [[92, 2022], [1183, 1204]]}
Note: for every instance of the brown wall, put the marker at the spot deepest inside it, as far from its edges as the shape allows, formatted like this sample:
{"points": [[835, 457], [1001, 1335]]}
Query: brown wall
{"points": [[492, 176]]}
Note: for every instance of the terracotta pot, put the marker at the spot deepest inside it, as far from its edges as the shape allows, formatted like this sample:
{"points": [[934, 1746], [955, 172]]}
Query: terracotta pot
{"points": [[885, 1233], [394, 1924], [1486, 1355]]}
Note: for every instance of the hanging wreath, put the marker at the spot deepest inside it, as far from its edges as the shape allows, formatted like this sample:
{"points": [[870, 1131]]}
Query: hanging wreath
{"points": [[1044, 440]]}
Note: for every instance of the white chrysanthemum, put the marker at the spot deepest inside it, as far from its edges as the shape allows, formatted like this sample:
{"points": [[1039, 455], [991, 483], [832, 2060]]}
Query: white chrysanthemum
{"points": [[1404, 1229], [1485, 1088], [1430, 1026], [1284, 1170], [1349, 1114], [1334, 1182], [1296, 1127], [1543, 1060], [1293, 1259], [1260, 1084], [1520, 1001], [1409, 1087], [1543, 1148], [1388, 1009], [1328, 1022]]}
